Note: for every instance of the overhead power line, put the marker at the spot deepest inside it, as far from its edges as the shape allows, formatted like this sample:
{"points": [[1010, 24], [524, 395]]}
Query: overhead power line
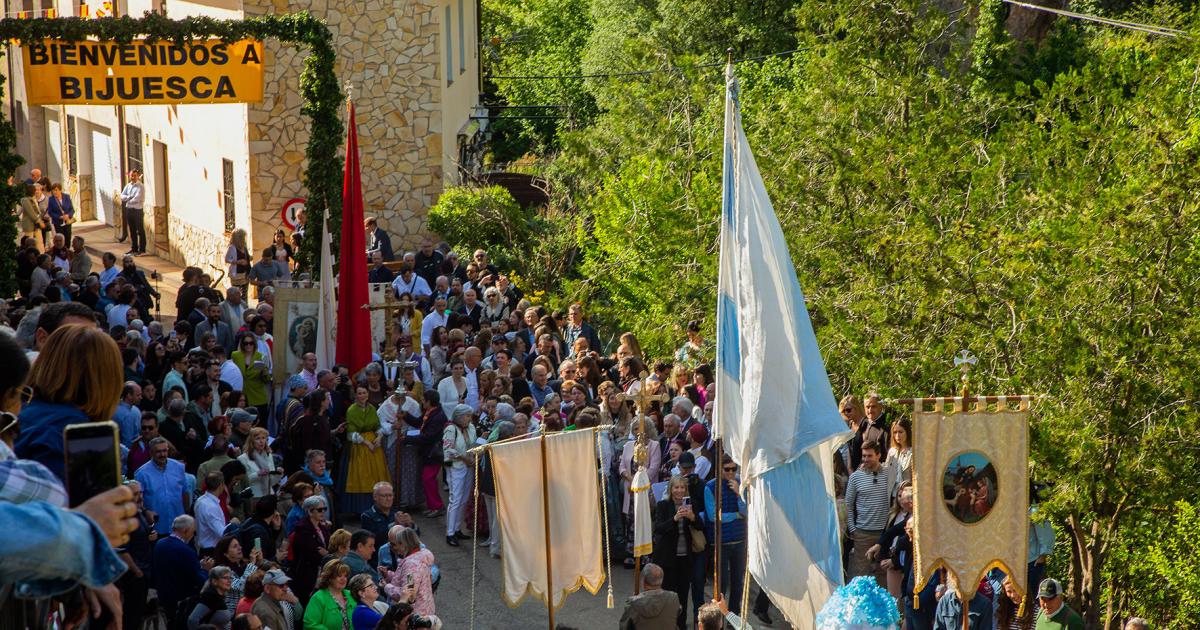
{"points": [[636, 73], [1163, 31]]}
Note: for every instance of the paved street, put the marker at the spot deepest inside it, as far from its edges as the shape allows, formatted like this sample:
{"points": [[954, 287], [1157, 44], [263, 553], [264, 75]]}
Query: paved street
{"points": [[582, 609]]}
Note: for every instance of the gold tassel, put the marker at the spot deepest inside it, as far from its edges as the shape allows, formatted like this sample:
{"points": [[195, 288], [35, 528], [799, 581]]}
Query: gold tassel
{"points": [[610, 601], [1021, 609]]}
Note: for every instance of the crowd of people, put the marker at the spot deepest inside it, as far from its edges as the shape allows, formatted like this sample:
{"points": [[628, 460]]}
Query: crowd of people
{"points": [[251, 506]]}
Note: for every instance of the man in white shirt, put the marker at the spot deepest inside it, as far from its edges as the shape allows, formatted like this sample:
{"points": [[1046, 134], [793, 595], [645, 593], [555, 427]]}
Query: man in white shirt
{"points": [[308, 370], [230, 374], [412, 284], [210, 520], [436, 317], [472, 357], [133, 198]]}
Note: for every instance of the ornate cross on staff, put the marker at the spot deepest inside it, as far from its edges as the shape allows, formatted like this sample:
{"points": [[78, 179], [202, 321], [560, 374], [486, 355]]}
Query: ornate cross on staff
{"points": [[642, 401], [390, 307]]}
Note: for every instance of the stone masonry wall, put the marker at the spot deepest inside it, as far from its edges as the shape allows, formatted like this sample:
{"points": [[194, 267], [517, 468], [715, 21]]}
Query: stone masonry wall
{"points": [[388, 52], [191, 245]]}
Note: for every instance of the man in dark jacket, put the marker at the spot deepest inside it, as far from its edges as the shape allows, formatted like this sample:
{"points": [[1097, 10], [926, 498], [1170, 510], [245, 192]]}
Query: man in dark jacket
{"points": [[378, 239], [264, 527], [428, 262], [654, 608], [177, 569], [381, 516]]}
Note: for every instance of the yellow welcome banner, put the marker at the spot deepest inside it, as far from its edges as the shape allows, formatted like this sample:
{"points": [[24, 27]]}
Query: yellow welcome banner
{"points": [[143, 73]]}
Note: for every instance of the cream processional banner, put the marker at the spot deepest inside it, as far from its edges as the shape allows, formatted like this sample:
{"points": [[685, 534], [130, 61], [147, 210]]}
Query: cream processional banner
{"points": [[575, 545], [970, 493]]}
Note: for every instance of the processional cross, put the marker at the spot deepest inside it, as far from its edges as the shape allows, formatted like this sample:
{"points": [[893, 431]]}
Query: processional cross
{"points": [[390, 307], [642, 401]]}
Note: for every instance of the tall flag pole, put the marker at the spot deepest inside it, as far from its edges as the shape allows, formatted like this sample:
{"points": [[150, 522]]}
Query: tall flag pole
{"points": [[775, 409], [354, 342], [328, 308]]}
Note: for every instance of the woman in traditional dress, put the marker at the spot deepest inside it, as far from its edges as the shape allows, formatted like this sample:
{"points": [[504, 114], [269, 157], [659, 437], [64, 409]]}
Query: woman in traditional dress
{"points": [[366, 464]]}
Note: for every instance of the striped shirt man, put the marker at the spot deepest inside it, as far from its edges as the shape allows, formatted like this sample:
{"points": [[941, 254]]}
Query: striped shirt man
{"points": [[867, 499]]}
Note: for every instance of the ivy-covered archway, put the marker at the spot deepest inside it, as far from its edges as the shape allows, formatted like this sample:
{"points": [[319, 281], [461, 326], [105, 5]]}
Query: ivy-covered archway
{"points": [[319, 89]]}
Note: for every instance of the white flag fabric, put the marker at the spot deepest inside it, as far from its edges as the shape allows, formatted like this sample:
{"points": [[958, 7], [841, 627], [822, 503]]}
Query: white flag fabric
{"points": [[643, 518], [575, 536], [327, 311], [775, 410]]}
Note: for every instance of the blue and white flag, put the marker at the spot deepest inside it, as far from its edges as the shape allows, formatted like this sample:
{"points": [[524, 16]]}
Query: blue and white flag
{"points": [[775, 408]]}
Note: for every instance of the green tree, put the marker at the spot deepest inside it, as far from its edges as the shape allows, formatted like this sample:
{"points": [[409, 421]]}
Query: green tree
{"points": [[940, 189]]}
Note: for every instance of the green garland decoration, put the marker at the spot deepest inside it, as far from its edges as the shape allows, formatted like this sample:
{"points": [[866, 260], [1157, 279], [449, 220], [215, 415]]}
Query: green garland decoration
{"points": [[319, 89]]}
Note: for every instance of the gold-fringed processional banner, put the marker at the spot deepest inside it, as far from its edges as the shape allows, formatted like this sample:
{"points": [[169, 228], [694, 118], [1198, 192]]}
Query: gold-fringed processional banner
{"points": [[971, 492]]}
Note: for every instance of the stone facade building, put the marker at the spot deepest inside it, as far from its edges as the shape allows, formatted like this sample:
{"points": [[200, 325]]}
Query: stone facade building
{"points": [[411, 65]]}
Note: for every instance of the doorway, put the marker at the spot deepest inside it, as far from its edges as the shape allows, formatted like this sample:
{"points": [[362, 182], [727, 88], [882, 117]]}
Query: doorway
{"points": [[162, 201], [103, 170]]}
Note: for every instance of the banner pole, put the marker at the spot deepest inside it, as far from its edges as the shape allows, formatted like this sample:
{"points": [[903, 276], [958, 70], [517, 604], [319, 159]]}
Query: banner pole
{"points": [[546, 525], [718, 494], [637, 575]]}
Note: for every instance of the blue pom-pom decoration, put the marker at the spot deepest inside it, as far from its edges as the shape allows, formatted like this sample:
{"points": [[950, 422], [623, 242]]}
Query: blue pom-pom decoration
{"points": [[861, 603]]}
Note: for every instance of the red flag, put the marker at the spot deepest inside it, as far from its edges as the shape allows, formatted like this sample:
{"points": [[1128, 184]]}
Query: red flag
{"points": [[353, 321]]}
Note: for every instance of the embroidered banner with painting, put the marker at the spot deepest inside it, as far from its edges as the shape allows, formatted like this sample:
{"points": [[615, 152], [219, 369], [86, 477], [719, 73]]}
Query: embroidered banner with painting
{"points": [[971, 493]]}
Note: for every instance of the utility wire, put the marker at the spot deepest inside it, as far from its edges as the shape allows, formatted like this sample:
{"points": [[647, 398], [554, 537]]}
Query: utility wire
{"points": [[638, 73], [1163, 31]]}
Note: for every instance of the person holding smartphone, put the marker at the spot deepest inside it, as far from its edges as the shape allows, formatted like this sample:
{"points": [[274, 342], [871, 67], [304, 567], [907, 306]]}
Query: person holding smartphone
{"points": [[675, 520]]}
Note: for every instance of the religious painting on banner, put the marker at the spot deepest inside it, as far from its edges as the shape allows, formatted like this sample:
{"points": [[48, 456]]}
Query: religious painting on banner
{"points": [[295, 328], [970, 491]]}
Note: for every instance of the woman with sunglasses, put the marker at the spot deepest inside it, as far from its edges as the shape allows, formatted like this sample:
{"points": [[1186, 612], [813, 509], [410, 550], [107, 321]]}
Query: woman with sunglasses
{"points": [[255, 375], [310, 543]]}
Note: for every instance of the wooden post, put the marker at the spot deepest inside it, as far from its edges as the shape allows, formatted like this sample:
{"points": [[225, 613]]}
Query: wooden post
{"points": [[637, 575], [546, 525], [718, 493]]}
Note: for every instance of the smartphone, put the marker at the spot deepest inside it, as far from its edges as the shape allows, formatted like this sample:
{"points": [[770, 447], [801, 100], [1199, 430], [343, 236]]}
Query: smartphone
{"points": [[687, 501], [93, 458], [258, 545], [410, 579]]}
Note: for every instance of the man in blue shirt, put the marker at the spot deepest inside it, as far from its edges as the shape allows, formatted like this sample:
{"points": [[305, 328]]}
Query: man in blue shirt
{"points": [[538, 385], [163, 488], [128, 417]]}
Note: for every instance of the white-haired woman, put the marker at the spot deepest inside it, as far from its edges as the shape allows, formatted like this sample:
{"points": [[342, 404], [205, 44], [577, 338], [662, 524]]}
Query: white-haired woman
{"points": [[495, 308], [457, 439], [310, 544]]}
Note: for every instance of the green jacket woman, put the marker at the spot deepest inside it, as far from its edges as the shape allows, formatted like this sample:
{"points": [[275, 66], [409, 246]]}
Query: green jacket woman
{"points": [[331, 605]]}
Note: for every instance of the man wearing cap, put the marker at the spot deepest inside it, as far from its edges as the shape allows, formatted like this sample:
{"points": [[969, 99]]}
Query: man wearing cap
{"points": [[277, 607], [1055, 614], [241, 421]]}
